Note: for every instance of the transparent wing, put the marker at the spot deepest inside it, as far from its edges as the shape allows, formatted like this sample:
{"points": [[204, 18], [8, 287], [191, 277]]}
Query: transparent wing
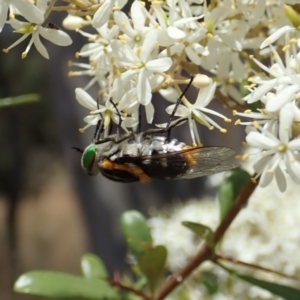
{"points": [[189, 163]]}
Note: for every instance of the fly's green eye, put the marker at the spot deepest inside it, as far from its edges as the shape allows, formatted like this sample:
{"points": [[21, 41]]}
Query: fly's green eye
{"points": [[88, 160]]}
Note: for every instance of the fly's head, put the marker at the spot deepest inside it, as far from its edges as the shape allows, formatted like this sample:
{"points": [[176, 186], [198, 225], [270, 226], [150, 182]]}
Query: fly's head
{"points": [[89, 160]]}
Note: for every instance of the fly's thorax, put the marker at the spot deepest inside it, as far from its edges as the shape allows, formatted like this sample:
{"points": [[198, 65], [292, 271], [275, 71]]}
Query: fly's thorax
{"points": [[149, 145], [173, 146]]}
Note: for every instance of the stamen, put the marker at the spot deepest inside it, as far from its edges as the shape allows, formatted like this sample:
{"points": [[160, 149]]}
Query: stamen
{"points": [[253, 179], [245, 156]]}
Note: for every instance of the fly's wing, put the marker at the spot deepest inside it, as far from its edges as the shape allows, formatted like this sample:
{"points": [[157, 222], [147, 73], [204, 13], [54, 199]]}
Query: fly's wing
{"points": [[195, 172], [189, 163]]}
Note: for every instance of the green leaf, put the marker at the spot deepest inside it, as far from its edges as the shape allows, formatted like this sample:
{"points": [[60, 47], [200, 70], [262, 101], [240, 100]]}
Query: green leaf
{"points": [[23, 99], [92, 266], [152, 262], [286, 292], [63, 285], [136, 232], [201, 230], [210, 281], [243, 90], [254, 106], [230, 188]]}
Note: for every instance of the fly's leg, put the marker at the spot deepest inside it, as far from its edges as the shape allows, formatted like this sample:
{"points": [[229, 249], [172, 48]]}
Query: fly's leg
{"points": [[99, 126], [120, 118], [115, 139], [163, 130], [169, 127]]}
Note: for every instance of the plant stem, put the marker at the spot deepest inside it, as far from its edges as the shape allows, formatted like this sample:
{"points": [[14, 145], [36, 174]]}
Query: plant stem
{"points": [[128, 289], [206, 252], [253, 266]]}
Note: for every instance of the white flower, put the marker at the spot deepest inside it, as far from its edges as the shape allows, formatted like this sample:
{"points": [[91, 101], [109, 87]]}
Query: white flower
{"points": [[275, 152], [102, 14], [29, 11], [134, 29], [55, 36], [285, 79], [198, 111], [142, 66], [106, 112]]}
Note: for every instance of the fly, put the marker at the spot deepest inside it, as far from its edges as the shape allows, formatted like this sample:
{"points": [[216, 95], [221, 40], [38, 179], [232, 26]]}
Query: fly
{"points": [[151, 154]]}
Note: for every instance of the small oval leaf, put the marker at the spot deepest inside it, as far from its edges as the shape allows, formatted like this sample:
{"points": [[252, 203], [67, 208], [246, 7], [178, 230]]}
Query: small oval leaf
{"points": [[63, 285], [152, 262], [201, 230], [136, 232], [92, 266], [230, 188]]}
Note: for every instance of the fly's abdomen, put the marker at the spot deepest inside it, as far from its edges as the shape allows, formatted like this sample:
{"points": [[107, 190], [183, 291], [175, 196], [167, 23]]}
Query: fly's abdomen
{"points": [[166, 160]]}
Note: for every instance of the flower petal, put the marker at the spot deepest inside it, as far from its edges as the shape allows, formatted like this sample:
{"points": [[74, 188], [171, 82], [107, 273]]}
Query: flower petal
{"points": [[159, 65], [286, 118], [149, 108], [102, 14], [29, 11], [281, 98], [143, 88], [85, 99], [40, 47], [175, 33], [148, 45], [258, 140], [3, 14], [57, 37], [280, 179], [261, 91], [276, 35]]}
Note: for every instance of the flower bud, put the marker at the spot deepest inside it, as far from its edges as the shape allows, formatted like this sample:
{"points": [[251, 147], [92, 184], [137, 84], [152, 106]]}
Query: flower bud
{"points": [[201, 81], [74, 22]]}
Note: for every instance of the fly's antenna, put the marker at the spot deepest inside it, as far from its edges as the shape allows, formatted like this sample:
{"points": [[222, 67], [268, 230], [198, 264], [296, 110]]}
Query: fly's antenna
{"points": [[119, 115], [78, 149], [168, 127]]}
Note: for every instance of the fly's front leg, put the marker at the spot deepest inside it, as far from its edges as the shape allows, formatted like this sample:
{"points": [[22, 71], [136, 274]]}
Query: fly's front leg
{"points": [[115, 138], [168, 127], [164, 130]]}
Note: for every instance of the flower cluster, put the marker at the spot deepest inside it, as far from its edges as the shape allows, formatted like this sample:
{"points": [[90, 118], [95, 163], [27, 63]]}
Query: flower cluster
{"points": [[36, 15], [255, 237], [272, 129], [156, 47]]}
